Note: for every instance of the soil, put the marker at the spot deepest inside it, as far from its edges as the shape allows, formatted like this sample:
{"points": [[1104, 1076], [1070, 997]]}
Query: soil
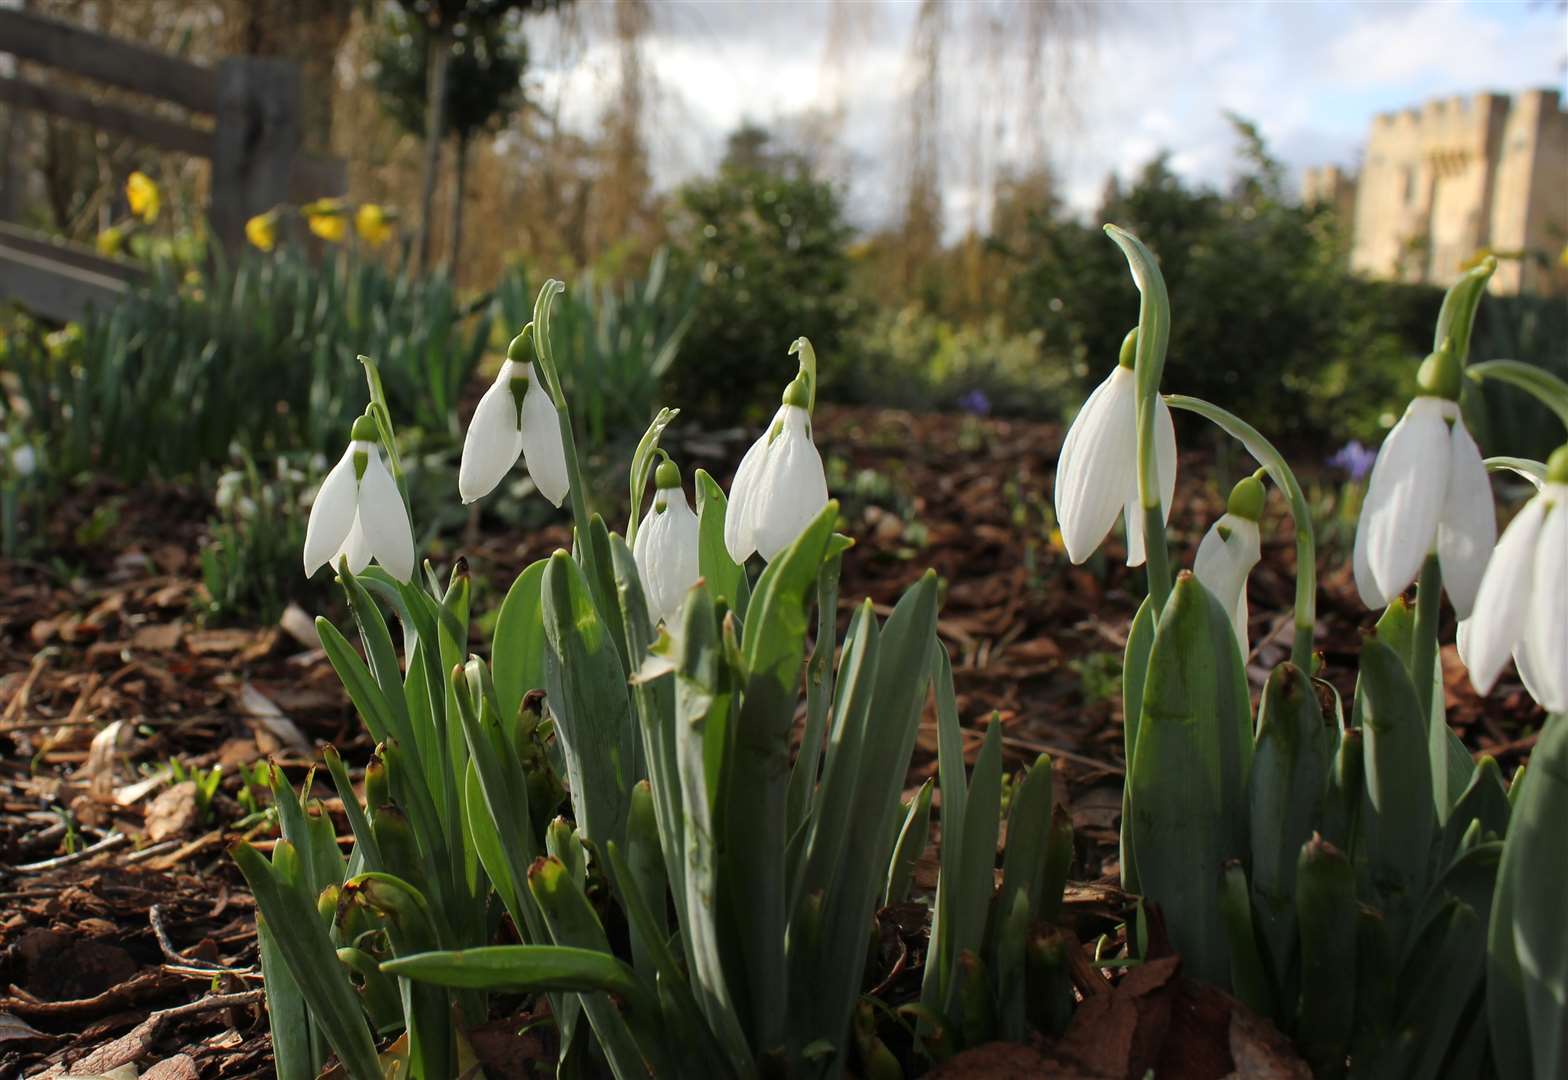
{"points": [[127, 935]]}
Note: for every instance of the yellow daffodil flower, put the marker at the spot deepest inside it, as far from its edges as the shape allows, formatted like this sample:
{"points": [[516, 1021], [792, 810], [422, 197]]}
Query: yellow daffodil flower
{"points": [[327, 219], [373, 224], [262, 230], [142, 194], [111, 240]]}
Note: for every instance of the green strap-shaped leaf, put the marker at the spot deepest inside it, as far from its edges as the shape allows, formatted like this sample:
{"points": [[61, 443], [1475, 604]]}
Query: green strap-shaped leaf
{"points": [[521, 969], [1402, 821], [1290, 768], [1528, 955], [1189, 778], [751, 820], [703, 697], [517, 649], [1326, 914], [1135, 670], [722, 577], [913, 837], [587, 694], [308, 952], [887, 743], [1248, 976]]}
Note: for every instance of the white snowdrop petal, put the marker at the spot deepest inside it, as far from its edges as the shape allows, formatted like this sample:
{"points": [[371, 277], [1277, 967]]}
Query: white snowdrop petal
{"points": [[794, 488], [1098, 456], [738, 529], [492, 443], [1223, 563], [1239, 621], [1164, 454], [1534, 684], [384, 520], [1467, 531], [1371, 595], [672, 556], [356, 549], [331, 514], [1546, 628], [1405, 496], [1504, 597], [543, 449]]}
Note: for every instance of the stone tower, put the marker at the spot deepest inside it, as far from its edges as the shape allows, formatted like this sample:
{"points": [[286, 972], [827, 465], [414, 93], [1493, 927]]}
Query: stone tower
{"points": [[1454, 178]]}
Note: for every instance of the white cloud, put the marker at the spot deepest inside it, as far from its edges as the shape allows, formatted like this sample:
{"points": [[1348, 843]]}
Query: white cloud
{"points": [[1151, 76]]}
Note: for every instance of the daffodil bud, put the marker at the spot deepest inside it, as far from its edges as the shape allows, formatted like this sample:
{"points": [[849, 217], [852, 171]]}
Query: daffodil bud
{"points": [[1428, 492], [515, 418], [358, 513], [1521, 605], [1229, 551], [665, 549], [1097, 472]]}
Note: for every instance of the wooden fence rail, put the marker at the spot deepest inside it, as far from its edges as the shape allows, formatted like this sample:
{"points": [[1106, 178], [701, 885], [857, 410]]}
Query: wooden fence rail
{"points": [[244, 117]]}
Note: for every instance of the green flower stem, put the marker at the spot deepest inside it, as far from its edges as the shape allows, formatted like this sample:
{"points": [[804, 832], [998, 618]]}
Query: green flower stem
{"points": [[1306, 546], [1154, 331], [544, 353], [1423, 648], [1541, 384]]}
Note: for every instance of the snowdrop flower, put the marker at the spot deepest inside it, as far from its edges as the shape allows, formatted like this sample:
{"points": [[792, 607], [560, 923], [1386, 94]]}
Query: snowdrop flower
{"points": [[515, 418], [1229, 551], [780, 485], [1097, 474], [1521, 606], [358, 513], [1428, 491], [666, 546]]}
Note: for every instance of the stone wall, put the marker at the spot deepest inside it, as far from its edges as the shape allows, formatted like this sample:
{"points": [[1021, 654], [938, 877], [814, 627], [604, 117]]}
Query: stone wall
{"points": [[1456, 177]]}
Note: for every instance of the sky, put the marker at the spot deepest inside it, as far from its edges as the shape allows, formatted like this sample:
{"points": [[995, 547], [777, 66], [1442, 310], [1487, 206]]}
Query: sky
{"points": [[1142, 77]]}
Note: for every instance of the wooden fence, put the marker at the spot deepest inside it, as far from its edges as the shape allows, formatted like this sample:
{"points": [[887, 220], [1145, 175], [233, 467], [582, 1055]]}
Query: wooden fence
{"points": [[243, 117]]}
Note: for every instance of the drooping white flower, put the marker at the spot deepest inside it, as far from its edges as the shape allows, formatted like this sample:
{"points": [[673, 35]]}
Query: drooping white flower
{"points": [[358, 513], [1521, 607], [1428, 492], [666, 546], [780, 485], [514, 418], [1229, 551], [1097, 474]]}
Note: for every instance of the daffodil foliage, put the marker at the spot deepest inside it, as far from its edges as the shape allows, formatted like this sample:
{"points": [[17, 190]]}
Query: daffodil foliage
{"points": [[673, 777]]}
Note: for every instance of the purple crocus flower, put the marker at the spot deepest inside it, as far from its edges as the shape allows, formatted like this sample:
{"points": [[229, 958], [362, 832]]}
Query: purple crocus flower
{"points": [[1355, 459], [975, 401]]}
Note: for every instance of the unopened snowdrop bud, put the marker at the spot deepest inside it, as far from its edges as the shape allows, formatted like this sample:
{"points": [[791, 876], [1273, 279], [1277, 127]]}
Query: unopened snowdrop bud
{"points": [[1229, 551], [780, 485], [1428, 492], [1097, 473], [515, 418], [358, 513], [666, 546], [1521, 607]]}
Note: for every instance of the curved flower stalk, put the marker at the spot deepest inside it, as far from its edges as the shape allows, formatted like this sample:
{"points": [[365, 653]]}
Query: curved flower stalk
{"points": [[358, 513], [515, 418], [780, 486], [665, 549], [1097, 472], [1428, 492], [1521, 607], [1229, 551]]}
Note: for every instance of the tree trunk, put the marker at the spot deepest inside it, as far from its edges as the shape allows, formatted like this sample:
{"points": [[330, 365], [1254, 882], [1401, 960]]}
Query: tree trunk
{"points": [[435, 130], [459, 191]]}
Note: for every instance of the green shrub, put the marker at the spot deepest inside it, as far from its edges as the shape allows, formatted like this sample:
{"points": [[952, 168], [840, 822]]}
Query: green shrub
{"points": [[768, 241], [914, 359]]}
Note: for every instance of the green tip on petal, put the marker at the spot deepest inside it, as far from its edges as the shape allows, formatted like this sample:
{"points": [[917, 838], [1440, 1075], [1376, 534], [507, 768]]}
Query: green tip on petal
{"points": [[364, 430], [1440, 375], [667, 475], [517, 352], [1129, 353], [1246, 498], [1557, 466]]}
